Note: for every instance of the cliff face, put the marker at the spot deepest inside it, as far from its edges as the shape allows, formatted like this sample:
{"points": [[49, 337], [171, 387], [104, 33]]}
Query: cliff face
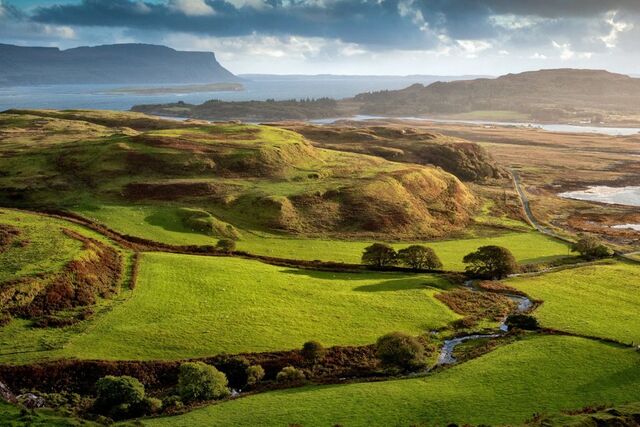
{"points": [[118, 64]]}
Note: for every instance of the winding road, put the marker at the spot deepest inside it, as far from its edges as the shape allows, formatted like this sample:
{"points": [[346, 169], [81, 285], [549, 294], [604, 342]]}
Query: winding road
{"points": [[524, 200]]}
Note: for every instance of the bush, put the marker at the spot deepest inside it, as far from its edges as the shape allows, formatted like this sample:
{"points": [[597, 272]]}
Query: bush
{"points": [[419, 258], [151, 405], [491, 262], [379, 255], [226, 246], [117, 391], [312, 351], [255, 374], [399, 350], [591, 247], [290, 374], [172, 403], [522, 321], [199, 381]]}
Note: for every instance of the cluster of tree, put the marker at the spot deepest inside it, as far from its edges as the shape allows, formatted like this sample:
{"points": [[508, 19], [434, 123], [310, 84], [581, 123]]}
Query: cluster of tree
{"points": [[493, 262], [380, 255], [590, 247]]}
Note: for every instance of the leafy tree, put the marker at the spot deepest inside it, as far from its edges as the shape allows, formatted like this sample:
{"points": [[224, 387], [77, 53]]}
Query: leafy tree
{"points": [[522, 321], [419, 258], [491, 262], [399, 350], [289, 374], [591, 247], [379, 255], [312, 351], [226, 245], [114, 391], [255, 373], [199, 381]]}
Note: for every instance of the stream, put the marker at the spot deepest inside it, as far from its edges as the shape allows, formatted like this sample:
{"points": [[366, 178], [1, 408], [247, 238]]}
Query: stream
{"points": [[446, 354]]}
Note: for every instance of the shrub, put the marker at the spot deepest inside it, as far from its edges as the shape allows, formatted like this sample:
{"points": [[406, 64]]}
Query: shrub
{"points": [[116, 391], [199, 381], [312, 351], [591, 247], [399, 350], [150, 405], [172, 403], [379, 255], [255, 374], [290, 374], [522, 321], [493, 262], [419, 258], [226, 246]]}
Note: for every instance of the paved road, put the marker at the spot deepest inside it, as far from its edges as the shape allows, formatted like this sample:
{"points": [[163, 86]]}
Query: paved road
{"points": [[545, 230]]}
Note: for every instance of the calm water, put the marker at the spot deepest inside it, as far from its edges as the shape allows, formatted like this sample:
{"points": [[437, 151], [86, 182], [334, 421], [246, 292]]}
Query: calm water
{"points": [[615, 131], [629, 196], [258, 88]]}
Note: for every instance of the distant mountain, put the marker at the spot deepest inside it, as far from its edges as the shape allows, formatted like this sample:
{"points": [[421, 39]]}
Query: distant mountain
{"points": [[545, 94], [118, 64]]}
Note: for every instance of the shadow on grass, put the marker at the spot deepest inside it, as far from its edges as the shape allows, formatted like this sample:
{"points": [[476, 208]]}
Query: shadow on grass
{"points": [[388, 282]]}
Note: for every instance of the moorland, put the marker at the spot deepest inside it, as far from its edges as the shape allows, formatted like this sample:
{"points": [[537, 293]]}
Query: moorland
{"points": [[131, 245]]}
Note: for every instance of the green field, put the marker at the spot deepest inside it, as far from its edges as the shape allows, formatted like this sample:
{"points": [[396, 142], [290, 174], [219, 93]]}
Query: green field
{"points": [[41, 247], [599, 300], [163, 224], [539, 374], [189, 306]]}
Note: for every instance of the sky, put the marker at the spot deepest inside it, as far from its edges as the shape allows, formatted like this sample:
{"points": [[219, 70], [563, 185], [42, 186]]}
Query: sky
{"points": [[381, 37]]}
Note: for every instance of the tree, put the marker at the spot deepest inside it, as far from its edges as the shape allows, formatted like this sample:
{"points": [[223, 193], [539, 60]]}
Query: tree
{"points": [[591, 247], [491, 262], [419, 258], [289, 374], [312, 351], [379, 255], [400, 351], [114, 391], [255, 373], [226, 245], [522, 321], [199, 381]]}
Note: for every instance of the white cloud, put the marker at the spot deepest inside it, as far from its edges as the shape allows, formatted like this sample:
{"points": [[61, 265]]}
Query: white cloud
{"points": [[617, 27], [567, 53], [538, 55], [514, 22], [192, 7], [255, 4], [473, 47]]}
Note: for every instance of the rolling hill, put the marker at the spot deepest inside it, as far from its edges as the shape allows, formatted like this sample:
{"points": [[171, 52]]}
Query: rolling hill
{"points": [[222, 177]]}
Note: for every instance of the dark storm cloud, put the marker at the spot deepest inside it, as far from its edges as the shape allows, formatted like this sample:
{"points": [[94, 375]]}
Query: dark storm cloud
{"points": [[397, 24]]}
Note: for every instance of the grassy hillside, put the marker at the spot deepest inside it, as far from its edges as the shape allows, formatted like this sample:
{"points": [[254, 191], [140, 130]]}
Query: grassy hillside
{"points": [[201, 306], [506, 386], [239, 176], [165, 225], [401, 143], [598, 300]]}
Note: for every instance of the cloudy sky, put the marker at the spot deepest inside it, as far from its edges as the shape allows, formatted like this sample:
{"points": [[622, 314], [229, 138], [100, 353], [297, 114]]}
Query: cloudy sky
{"points": [[398, 37]]}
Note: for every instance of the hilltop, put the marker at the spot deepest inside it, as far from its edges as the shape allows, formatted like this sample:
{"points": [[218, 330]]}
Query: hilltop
{"points": [[544, 95], [117, 64], [222, 178]]}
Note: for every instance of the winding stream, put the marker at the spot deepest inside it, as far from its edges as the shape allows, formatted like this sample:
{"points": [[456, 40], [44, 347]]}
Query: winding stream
{"points": [[446, 354]]}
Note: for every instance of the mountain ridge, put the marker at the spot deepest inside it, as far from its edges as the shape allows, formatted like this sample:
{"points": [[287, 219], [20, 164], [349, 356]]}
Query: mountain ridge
{"points": [[131, 63]]}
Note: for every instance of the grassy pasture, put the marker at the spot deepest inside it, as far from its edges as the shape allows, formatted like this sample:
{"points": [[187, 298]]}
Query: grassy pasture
{"points": [[162, 223], [189, 306], [599, 300], [544, 374]]}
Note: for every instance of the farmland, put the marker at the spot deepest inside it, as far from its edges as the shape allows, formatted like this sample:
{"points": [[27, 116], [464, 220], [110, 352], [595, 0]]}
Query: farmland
{"points": [[109, 266], [556, 373]]}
